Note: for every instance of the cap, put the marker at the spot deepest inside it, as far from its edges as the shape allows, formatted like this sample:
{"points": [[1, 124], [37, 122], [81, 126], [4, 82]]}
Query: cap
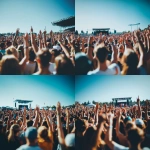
{"points": [[31, 133], [139, 122], [127, 119], [70, 140]]}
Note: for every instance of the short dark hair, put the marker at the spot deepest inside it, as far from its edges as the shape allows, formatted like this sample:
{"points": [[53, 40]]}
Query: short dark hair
{"points": [[44, 56], [29, 123], [31, 55], [102, 53]]}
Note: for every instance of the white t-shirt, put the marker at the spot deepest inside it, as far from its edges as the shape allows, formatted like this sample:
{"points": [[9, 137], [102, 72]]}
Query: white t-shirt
{"points": [[30, 68], [26, 147], [52, 67], [120, 147], [112, 69]]}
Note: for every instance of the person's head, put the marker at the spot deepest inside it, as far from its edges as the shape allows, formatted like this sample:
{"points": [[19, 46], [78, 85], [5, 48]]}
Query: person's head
{"points": [[43, 133], [19, 122], [20, 50], [31, 55], [64, 65], [80, 125], [29, 123], [101, 53], [54, 53], [135, 136], [129, 62], [70, 141], [14, 131], [43, 58], [140, 123], [82, 64], [1, 55], [31, 135], [12, 51], [9, 65], [2, 45]]}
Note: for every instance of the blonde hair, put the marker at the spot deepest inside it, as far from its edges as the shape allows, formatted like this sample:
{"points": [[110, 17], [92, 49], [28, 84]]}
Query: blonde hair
{"points": [[43, 133], [13, 130], [12, 50], [9, 65]]}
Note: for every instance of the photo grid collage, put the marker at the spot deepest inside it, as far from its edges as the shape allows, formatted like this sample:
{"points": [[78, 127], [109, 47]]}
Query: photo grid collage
{"points": [[75, 75]]}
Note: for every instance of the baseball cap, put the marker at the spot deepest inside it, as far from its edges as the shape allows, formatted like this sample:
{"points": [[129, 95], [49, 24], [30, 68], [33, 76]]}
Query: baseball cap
{"points": [[139, 122], [70, 140], [127, 119], [31, 133]]}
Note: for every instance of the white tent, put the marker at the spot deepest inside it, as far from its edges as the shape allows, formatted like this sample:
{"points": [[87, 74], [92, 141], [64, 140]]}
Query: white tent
{"points": [[90, 105]]}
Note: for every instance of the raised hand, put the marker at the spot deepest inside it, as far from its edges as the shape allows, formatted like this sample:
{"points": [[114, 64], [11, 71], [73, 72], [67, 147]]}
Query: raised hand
{"points": [[31, 30], [58, 107], [138, 101]]}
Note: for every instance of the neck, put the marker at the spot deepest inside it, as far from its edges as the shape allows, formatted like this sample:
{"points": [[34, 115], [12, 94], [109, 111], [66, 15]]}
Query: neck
{"points": [[44, 70], [135, 147], [102, 66], [31, 143]]}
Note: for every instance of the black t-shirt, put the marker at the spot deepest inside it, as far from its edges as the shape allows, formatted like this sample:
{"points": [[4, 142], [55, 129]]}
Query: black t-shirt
{"points": [[13, 145], [3, 142]]}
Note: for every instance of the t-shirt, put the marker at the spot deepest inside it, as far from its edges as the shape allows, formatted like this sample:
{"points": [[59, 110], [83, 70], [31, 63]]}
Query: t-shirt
{"points": [[120, 147], [30, 68], [112, 69], [26, 147], [52, 67], [44, 145], [3, 51]]}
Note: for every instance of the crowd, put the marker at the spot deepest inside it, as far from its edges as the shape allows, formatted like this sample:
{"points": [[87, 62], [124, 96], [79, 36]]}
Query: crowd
{"points": [[113, 127], [125, 54], [37, 129], [38, 54]]}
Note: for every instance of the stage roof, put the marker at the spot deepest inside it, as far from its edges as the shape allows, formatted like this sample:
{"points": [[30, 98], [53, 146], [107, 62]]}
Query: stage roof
{"points": [[23, 101], [101, 29], [65, 22], [123, 98], [70, 29]]}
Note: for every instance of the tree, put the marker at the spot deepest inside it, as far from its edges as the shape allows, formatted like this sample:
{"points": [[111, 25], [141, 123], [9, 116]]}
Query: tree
{"points": [[82, 32], [76, 32]]}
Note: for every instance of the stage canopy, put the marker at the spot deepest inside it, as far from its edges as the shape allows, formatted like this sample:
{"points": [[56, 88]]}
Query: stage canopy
{"points": [[22, 101], [70, 21], [103, 30], [90, 105]]}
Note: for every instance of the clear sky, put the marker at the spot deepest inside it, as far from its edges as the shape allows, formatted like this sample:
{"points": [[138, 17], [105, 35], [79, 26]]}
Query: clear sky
{"points": [[114, 14], [40, 89], [38, 13], [104, 88]]}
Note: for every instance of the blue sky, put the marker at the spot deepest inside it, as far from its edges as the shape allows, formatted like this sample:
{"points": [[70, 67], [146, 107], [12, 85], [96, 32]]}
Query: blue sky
{"points": [[104, 88], [114, 14], [40, 89], [38, 13]]}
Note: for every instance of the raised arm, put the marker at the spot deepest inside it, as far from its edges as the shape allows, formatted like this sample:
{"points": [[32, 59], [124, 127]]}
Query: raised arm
{"points": [[139, 108], [90, 48], [26, 52], [61, 137], [16, 34], [36, 116], [67, 121], [34, 46], [47, 120]]}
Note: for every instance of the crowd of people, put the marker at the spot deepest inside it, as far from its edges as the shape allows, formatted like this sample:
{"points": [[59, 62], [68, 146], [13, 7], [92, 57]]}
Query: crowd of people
{"points": [[37, 129], [113, 127], [37, 54], [115, 54]]}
